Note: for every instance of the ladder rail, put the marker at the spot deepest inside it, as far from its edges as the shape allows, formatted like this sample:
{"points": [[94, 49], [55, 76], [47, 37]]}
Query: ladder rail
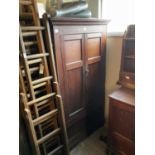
{"points": [[55, 83], [29, 124]]}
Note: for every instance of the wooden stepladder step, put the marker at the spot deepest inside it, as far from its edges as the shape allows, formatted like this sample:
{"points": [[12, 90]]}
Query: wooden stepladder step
{"points": [[42, 80], [40, 99], [25, 2], [30, 43], [44, 117], [37, 55], [25, 34], [32, 28], [26, 15]]}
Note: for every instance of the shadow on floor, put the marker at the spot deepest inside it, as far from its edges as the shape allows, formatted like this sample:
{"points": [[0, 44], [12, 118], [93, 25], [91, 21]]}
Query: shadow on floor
{"points": [[91, 146]]}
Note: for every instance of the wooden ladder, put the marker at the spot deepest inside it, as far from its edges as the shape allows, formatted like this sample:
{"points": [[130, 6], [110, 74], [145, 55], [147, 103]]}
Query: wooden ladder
{"points": [[40, 98]]}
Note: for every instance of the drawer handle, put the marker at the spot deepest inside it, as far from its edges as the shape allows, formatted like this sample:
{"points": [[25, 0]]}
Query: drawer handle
{"points": [[76, 112]]}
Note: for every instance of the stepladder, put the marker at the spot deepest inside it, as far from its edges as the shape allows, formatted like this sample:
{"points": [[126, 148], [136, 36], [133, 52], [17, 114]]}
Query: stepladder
{"points": [[40, 100]]}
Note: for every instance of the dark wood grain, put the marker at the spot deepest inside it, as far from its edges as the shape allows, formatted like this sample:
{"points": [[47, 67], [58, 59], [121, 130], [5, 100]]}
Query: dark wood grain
{"points": [[80, 58], [127, 69], [95, 60], [121, 134]]}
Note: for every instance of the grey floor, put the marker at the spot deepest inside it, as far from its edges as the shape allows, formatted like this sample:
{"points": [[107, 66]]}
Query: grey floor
{"points": [[91, 146]]}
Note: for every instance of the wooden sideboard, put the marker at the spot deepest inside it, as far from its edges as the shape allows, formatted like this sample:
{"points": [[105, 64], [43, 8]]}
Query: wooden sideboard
{"points": [[80, 50], [121, 133]]}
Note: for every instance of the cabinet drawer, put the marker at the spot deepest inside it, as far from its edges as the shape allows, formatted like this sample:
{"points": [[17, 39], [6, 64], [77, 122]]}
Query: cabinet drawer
{"points": [[79, 29], [122, 119], [122, 144]]}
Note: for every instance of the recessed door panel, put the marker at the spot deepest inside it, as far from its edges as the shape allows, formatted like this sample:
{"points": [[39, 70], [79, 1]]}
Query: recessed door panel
{"points": [[73, 51], [94, 47], [75, 87]]}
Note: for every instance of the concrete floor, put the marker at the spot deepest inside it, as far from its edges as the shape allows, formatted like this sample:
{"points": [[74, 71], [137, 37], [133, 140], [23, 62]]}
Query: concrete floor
{"points": [[91, 146]]}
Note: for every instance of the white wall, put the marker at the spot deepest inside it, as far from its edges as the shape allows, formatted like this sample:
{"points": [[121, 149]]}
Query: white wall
{"points": [[113, 60]]}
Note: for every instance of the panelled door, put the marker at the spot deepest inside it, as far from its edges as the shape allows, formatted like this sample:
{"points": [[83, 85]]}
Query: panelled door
{"points": [[94, 47], [74, 70]]}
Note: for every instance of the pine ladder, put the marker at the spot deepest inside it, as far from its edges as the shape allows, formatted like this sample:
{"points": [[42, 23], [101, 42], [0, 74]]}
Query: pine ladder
{"points": [[40, 99]]}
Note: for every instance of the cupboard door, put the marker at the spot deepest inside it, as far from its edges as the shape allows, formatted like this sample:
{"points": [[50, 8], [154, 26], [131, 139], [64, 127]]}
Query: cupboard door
{"points": [[73, 64], [95, 79]]}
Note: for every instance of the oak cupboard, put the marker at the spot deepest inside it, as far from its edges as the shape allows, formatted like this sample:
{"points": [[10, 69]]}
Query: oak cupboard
{"points": [[80, 50]]}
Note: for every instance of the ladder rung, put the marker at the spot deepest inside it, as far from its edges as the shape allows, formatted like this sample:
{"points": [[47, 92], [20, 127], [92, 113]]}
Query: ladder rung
{"points": [[25, 2], [32, 70], [42, 103], [29, 43], [53, 133], [31, 50], [39, 91], [42, 80], [34, 61], [44, 117], [46, 128], [33, 56], [55, 150], [32, 28], [44, 107], [39, 85], [49, 121], [41, 99], [25, 15], [47, 124], [25, 34], [36, 93]]}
